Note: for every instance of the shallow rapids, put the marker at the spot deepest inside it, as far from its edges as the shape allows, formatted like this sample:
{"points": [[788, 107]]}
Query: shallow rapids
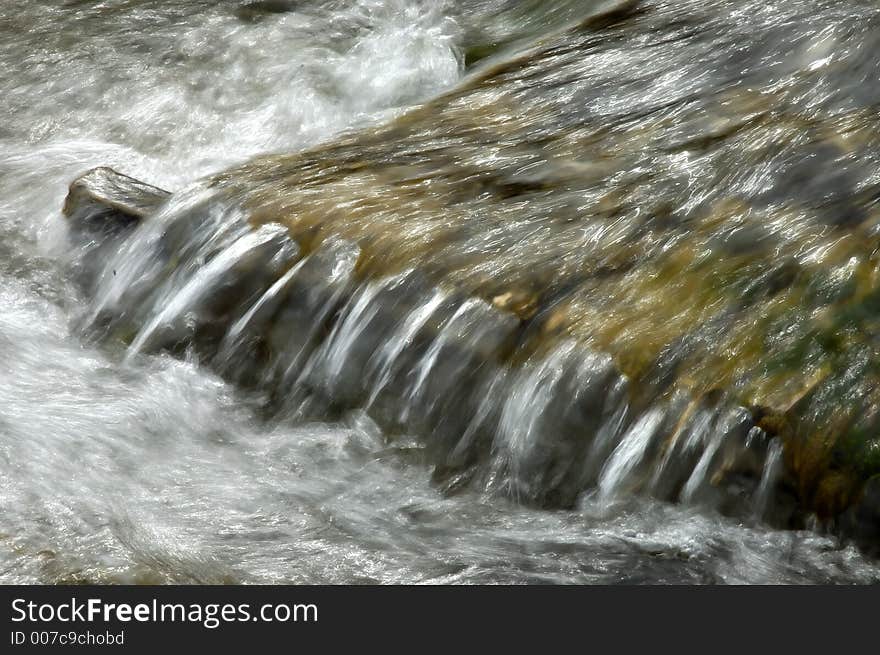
{"points": [[131, 458]]}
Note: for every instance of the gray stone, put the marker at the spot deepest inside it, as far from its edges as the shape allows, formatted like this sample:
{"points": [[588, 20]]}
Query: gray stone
{"points": [[104, 201], [102, 208]]}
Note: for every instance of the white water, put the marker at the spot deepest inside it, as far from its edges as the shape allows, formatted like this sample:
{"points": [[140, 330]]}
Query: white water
{"points": [[153, 469]]}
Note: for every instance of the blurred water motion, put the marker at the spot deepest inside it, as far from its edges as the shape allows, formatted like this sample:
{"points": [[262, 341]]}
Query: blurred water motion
{"points": [[589, 257]]}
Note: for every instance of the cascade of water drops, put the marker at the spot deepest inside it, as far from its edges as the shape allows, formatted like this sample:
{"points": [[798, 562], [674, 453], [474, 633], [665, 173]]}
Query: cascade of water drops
{"points": [[438, 362], [256, 318], [320, 286], [383, 364], [684, 450], [467, 343], [336, 354], [773, 469], [175, 310], [723, 443], [631, 452], [137, 267]]}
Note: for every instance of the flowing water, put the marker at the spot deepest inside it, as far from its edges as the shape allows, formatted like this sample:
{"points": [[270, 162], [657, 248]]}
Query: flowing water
{"points": [[124, 464]]}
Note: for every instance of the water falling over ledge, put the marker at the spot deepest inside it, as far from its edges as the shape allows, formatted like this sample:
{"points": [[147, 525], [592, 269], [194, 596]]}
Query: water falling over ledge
{"points": [[608, 265]]}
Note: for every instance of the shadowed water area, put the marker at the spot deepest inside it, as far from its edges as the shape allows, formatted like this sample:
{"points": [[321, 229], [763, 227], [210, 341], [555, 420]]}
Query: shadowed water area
{"points": [[532, 292]]}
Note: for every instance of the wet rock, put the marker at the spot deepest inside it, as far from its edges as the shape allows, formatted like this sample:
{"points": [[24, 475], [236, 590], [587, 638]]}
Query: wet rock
{"points": [[102, 207], [778, 278], [391, 370], [733, 467], [824, 178], [105, 202], [723, 446], [551, 416], [307, 305], [630, 466], [252, 12], [861, 522], [431, 363], [495, 189], [337, 374], [199, 309], [684, 449], [443, 393]]}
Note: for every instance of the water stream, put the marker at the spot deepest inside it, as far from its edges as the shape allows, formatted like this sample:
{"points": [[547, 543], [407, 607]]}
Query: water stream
{"points": [[132, 460]]}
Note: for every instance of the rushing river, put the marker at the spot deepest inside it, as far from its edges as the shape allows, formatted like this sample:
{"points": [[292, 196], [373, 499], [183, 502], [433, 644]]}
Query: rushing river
{"points": [[151, 468]]}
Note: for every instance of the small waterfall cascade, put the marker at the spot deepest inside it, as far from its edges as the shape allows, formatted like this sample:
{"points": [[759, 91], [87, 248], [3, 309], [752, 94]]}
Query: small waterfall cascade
{"points": [[541, 422]]}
